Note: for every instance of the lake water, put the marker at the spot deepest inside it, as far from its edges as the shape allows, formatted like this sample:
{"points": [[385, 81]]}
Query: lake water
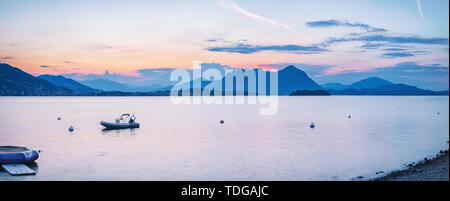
{"points": [[187, 142]]}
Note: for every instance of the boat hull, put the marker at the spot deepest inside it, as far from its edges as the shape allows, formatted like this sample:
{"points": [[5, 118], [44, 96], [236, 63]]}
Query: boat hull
{"points": [[110, 125]]}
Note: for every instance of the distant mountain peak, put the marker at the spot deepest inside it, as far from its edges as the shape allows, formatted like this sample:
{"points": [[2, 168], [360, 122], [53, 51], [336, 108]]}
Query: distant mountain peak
{"points": [[334, 86], [106, 85], [370, 83], [291, 79], [375, 79], [291, 68]]}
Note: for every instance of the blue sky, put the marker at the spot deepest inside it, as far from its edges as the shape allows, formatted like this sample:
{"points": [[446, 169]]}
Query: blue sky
{"points": [[331, 39]]}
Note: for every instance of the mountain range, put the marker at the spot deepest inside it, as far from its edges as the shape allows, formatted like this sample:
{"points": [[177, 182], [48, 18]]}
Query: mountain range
{"points": [[291, 80], [106, 85], [109, 85], [15, 82], [369, 83], [68, 83], [388, 90], [377, 86]]}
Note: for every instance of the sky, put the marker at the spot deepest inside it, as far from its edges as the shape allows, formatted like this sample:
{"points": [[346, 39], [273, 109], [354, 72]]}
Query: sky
{"points": [[333, 41]]}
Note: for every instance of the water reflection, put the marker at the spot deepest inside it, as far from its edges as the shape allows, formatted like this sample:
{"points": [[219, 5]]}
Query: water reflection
{"points": [[187, 142], [123, 131]]}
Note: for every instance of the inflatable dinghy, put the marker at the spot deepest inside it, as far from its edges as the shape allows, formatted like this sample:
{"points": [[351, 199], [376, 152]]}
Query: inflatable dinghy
{"points": [[125, 121], [17, 155], [110, 125]]}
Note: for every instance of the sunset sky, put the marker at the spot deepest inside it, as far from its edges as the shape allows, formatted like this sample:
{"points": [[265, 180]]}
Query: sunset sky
{"points": [[328, 38]]}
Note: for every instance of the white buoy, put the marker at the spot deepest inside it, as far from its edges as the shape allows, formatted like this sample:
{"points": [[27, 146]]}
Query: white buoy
{"points": [[71, 128], [312, 125]]}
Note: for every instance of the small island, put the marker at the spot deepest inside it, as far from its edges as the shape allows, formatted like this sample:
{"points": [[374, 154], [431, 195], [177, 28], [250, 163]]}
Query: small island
{"points": [[318, 92]]}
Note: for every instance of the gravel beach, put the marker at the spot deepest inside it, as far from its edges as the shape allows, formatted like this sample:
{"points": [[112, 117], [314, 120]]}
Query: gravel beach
{"points": [[436, 169]]}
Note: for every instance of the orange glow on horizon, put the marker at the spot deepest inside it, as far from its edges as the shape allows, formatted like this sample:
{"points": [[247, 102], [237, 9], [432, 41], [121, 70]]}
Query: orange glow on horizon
{"points": [[266, 67]]}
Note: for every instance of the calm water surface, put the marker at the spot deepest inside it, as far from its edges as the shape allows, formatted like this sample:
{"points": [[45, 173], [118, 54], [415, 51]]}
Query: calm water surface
{"points": [[187, 142]]}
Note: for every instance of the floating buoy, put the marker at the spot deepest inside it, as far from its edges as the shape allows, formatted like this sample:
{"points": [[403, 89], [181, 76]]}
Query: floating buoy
{"points": [[312, 125], [59, 118], [71, 129], [349, 116], [438, 113], [221, 121]]}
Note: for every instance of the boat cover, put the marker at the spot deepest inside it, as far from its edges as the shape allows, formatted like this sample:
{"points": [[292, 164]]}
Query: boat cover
{"points": [[17, 155]]}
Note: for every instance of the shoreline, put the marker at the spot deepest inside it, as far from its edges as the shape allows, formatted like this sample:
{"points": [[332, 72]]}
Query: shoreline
{"points": [[435, 169]]}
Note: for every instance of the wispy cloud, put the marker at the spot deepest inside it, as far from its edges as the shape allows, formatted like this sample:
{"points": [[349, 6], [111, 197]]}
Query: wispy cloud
{"points": [[372, 46], [44, 66], [243, 11], [235, 7], [419, 7], [69, 62], [371, 42], [249, 49], [6, 58], [395, 49], [336, 23], [393, 46], [151, 72], [100, 46], [391, 39], [397, 54]]}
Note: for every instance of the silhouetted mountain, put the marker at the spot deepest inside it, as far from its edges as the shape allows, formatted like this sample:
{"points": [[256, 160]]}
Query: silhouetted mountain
{"points": [[15, 82], [106, 85], [369, 83], [291, 79], [68, 83], [378, 86], [150, 88], [394, 89], [334, 86]]}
